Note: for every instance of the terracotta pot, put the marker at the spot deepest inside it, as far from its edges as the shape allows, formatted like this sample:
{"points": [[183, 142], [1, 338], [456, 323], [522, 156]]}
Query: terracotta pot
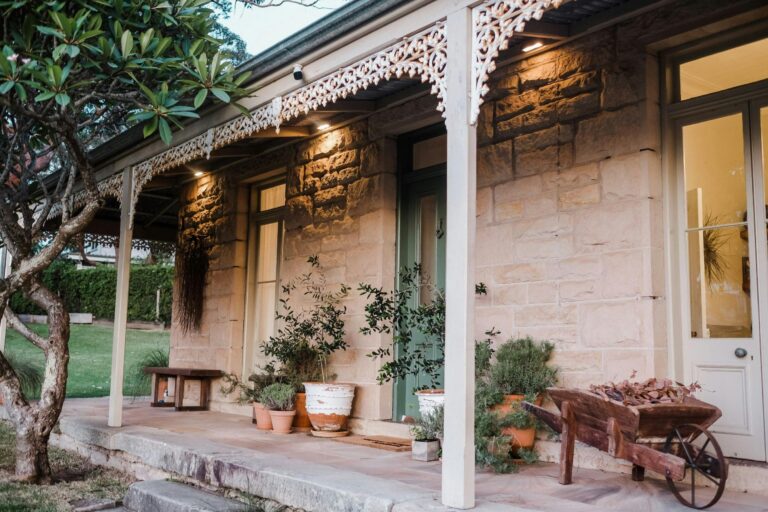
{"points": [[162, 387], [430, 399], [301, 421], [519, 438], [263, 419], [329, 405], [282, 421]]}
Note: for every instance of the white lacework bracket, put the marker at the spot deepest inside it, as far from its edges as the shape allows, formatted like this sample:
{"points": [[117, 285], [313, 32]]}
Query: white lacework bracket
{"points": [[494, 23]]}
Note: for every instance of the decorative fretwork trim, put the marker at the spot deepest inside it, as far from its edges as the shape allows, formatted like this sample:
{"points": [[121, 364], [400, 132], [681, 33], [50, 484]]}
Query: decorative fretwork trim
{"points": [[494, 23], [423, 55]]}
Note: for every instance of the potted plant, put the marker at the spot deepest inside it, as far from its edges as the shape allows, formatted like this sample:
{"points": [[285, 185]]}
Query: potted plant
{"points": [[249, 394], [427, 434], [401, 314], [309, 334], [279, 399], [520, 372]]}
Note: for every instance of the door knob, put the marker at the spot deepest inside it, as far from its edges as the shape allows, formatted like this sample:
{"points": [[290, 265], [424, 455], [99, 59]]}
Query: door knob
{"points": [[740, 352]]}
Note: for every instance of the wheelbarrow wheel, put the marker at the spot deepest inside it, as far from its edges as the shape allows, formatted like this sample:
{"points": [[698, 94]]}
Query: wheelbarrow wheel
{"points": [[704, 462]]}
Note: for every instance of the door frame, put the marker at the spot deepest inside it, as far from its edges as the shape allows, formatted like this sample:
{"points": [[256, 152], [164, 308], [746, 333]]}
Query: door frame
{"points": [[748, 99], [761, 242], [684, 307], [407, 177]]}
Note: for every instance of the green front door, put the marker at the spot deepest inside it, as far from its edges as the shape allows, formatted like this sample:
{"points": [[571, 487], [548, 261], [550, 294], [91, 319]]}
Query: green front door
{"points": [[422, 241]]}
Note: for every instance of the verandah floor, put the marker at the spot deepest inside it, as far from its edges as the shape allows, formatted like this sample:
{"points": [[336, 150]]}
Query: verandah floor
{"points": [[228, 449]]}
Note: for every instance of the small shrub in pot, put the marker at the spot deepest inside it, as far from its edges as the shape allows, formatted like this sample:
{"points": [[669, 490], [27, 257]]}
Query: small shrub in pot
{"points": [[279, 399]]}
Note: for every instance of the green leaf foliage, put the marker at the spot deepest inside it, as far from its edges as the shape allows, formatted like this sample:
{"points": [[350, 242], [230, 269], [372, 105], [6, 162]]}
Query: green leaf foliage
{"points": [[278, 397], [92, 290], [129, 60]]}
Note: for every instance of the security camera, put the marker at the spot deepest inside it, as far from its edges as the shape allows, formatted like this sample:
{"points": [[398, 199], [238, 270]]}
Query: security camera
{"points": [[297, 73]]}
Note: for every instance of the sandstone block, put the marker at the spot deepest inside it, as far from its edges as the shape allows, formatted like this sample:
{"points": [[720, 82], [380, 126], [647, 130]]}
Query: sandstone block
{"points": [[572, 291], [579, 106], [331, 195], [623, 274], [519, 273], [516, 294], [634, 176], [578, 360], [494, 163], [298, 212], [520, 188], [611, 133], [536, 161], [574, 177], [516, 104], [504, 211], [577, 267], [610, 228], [537, 140], [544, 248], [611, 324], [579, 197], [544, 292], [546, 314]]}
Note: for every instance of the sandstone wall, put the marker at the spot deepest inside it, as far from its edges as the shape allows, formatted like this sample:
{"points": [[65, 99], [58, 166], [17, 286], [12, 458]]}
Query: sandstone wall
{"points": [[570, 233]]}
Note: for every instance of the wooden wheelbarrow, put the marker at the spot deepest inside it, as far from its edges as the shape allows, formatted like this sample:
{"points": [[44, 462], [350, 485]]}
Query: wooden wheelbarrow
{"points": [[683, 449]]}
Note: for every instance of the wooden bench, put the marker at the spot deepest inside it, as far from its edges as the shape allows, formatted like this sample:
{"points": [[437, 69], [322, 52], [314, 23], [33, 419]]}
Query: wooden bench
{"points": [[182, 375]]}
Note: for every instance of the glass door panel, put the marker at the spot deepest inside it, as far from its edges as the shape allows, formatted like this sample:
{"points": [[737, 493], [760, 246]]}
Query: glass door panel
{"points": [[722, 350]]}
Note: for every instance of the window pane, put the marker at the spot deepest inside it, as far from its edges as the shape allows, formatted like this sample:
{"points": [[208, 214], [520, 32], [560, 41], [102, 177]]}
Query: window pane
{"points": [[715, 181], [723, 70], [266, 303], [430, 152], [272, 197], [266, 258], [719, 276], [428, 244]]}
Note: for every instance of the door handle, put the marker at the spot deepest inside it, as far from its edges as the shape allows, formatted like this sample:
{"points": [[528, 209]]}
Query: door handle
{"points": [[740, 352]]}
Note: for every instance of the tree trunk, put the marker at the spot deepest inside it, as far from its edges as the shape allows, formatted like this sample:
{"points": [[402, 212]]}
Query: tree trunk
{"points": [[32, 457], [34, 422]]}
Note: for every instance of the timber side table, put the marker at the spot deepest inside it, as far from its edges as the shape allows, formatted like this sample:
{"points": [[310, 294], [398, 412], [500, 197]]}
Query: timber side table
{"points": [[182, 375]]}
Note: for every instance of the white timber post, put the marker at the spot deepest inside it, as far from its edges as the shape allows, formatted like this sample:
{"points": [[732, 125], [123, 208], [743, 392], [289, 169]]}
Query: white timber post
{"points": [[5, 268], [458, 486], [121, 303]]}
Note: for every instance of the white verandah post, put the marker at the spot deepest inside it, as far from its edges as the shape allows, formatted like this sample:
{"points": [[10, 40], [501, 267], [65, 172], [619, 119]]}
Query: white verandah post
{"points": [[5, 268], [458, 485], [121, 303]]}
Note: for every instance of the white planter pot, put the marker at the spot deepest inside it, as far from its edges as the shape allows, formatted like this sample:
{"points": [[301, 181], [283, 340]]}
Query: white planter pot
{"points": [[430, 399], [329, 405]]}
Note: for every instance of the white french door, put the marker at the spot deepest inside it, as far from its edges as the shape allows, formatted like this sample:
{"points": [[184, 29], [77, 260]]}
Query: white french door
{"points": [[725, 268]]}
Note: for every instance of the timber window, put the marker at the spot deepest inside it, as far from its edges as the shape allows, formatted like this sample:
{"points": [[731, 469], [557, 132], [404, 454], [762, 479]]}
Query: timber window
{"points": [[265, 238]]}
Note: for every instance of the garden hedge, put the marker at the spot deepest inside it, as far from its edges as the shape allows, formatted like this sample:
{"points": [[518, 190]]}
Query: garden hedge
{"points": [[92, 290]]}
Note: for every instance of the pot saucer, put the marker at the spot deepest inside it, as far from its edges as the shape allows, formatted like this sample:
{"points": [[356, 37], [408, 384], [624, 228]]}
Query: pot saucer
{"points": [[323, 433]]}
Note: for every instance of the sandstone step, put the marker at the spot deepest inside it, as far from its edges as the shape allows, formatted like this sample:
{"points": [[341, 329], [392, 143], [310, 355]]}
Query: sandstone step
{"points": [[165, 496]]}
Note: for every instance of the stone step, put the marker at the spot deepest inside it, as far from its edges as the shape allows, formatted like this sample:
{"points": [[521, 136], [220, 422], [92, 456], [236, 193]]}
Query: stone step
{"points": [[165, 496]]}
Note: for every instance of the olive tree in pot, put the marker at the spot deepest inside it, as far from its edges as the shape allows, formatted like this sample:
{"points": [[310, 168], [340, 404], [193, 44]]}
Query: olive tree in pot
{"points": [[401, 314], [309, 333], [427, 435], [520, 372], [279, 399]]}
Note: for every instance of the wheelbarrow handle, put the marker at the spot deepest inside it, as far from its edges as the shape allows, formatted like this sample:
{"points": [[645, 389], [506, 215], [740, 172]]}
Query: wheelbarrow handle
{"points": [[554, 421]]}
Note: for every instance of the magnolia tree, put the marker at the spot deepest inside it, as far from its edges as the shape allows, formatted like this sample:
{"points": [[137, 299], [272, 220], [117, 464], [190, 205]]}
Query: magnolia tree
{"points": [[72, 74]]}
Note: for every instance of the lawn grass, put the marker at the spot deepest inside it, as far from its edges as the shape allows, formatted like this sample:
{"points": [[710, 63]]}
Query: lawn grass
{"points": [[90, 361], [74, 478]]}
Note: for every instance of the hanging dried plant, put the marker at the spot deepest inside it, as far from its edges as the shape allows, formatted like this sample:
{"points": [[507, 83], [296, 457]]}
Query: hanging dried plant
{"points": [[714, 241], [191, 269]]}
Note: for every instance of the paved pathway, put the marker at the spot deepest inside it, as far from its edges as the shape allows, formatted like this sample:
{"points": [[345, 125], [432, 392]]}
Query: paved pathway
{"points": [[533, 488]]}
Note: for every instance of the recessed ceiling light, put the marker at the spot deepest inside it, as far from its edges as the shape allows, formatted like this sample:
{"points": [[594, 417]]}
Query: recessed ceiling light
{"points": [[198, 173], [323, 126], [533, 46]]}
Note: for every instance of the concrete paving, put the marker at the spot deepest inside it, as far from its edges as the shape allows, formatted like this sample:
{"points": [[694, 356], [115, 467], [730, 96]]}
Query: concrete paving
{"points": [[319, 474]]}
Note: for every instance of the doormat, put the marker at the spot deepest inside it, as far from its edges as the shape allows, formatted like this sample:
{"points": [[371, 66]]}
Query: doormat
{"points": [[391, 444]]}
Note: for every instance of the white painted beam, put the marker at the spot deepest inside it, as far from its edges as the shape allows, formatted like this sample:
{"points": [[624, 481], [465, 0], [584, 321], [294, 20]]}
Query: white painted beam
{"points": [[115, 418], [458, 489], [5, 268]]}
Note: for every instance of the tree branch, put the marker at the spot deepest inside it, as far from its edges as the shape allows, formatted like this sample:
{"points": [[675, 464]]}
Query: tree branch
{"points": [[15, 323]]}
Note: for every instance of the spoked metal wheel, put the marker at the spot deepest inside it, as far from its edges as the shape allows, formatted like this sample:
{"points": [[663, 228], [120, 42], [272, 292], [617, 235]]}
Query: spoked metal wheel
{"points": [[706, 469]]}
